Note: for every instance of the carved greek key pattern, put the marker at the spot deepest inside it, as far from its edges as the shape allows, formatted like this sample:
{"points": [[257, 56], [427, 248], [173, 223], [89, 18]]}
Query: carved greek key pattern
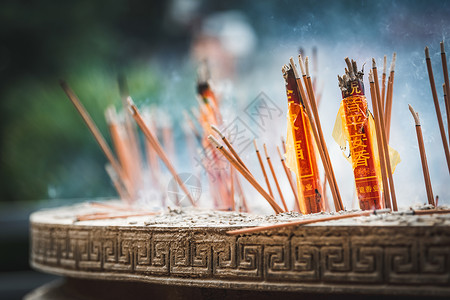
{"points": [[341, 255]]}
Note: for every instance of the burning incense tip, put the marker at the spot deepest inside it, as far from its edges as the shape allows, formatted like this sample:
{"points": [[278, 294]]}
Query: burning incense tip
{"points": [[442, 47], [384, 64], [302, 66], [291, 60], [394, 57], [213, 127], [415, 115], [256, 146], [427, 53], [265, 151], [130, 105], [214, 141]]}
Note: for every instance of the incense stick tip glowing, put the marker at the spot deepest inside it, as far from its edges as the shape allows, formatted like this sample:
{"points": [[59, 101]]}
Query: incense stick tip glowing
{"points": [[427, 53], [256, 146], [415, 115], [214, 141], [214, 127]]}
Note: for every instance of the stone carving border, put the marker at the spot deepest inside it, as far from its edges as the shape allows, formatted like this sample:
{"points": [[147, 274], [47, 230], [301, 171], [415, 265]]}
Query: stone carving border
{"points": [[344, 259]]}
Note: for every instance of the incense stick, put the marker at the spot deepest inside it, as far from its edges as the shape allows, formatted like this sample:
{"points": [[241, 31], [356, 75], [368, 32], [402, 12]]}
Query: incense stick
{"points": [[230, 146], [383, 86], [447, 85], [423, 156], [384, 139], [288, 175], [436, 106], [304, 222], [262, 168], [447, 105], [311, 104], [246, 174], [378, 120], [158, 149], [390, 91], [269, 162], [112, 216], [97, 135], [333, 187]]}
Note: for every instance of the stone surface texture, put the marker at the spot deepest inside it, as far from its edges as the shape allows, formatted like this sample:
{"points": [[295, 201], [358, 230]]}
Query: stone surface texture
{"points": [[383, 254]]}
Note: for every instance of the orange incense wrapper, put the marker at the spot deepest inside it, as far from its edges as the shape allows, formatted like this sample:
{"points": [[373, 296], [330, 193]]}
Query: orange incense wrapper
{"points": [[308, 180], [355, 118]]}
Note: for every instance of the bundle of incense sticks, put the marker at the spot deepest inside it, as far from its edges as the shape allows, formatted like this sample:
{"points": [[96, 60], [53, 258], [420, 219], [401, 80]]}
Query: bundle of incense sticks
{"points": [[372, 159], [369, 153]]}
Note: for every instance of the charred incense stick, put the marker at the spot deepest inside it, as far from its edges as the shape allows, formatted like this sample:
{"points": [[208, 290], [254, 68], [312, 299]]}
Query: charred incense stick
{"points": [[304, 222], [436, 106], [246, 174], [158, 149], [390, 91], [378, 120], [288, 175], [383, 86], [269, 162], [383, 138], [317, 131], [262, 168], [447, 85], [98, 136], [423, 156], [230, 146]]}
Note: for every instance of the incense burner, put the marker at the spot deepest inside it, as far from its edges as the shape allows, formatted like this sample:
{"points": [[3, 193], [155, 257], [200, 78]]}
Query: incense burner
{"points": [[384, 254]]}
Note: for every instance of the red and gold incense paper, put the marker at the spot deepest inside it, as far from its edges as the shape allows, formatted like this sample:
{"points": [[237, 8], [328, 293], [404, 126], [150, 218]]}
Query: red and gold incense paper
{"points": [[300, 152]]}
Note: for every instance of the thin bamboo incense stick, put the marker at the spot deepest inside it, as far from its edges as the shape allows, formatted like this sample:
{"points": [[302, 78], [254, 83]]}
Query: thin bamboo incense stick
{"points": [[390, 91], [288, 175], [246, 174], [447, 104], [336, 196], [230, 146], [157, 147], [269, 162], [243, 202], [312, 104], [447, 85], [436, 106], [262, 168], [423, 156], [304, 222], [378, 120], [98, 136], [116, 216], [383, 86], [384, 139]]}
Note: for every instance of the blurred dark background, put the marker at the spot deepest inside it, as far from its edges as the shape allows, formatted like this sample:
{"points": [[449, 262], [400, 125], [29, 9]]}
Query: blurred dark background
{"points": [[47, 156]]}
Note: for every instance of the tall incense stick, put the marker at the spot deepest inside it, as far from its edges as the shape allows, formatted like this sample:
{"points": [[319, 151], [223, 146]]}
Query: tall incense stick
{"points": [[269, 162], [436, 106], [97, 135], [384, 138], [390, 91], [383, 85], [423, 156], [447, 85], [288, 175], [246, 174], [262, 168], [158, 149], [378, 120]]}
